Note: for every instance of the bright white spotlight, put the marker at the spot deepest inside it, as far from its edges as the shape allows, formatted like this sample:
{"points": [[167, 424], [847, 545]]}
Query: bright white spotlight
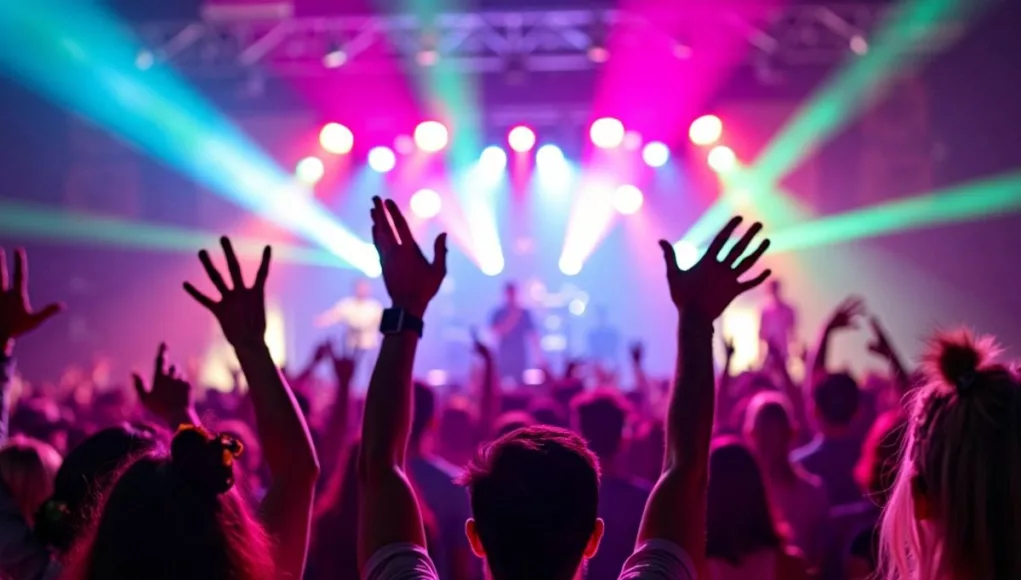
{"points": [[426, 203], [310, 170], [549, 156], [336, 138], [431, 136], [705, 130], [382, 159], [656, 154], [569, 266], [607, 133], [627, 199], [687, 254], [722, 159], [521, 139], [576, 307], [335, 57], [493, 159], [493, 266]]}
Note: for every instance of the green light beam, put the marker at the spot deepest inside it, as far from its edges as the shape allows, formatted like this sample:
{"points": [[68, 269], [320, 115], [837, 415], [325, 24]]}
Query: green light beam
{"points": [[42, 223], [974, 200]]}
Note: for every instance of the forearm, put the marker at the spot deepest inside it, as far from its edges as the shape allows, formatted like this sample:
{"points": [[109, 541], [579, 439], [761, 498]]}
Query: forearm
{"points": [[490, 407], [724, 401], [691, 407], [386, 422], [282, 430], [6, 383], [822, 349], [334, 439]]}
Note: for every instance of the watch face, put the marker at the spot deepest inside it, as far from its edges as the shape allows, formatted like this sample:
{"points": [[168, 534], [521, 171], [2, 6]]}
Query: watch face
{"points": [[391, 321]]}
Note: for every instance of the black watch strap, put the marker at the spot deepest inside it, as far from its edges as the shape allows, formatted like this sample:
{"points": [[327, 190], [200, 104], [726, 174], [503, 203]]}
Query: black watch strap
{"points": [[398, 320]]}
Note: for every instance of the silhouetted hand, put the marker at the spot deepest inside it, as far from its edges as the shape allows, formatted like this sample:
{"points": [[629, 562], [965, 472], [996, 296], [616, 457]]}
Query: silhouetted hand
{"points": [[847, 314], [241, 311], [880, 343], [410, 279], [170, 397], [344, 364], [17, 317], [712, 284], [479, 347], [637, 352], [728, 346]]}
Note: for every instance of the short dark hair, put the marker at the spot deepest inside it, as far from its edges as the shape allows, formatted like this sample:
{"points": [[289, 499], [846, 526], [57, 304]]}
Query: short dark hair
{"points": [[836, 397], [600, 417], [534, 496], [425, 410]]}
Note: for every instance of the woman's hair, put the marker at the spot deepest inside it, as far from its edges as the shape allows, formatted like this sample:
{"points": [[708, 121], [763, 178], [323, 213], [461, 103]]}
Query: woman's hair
{"points": [[955, 511], [176, 515], [27, 469], [85, 473], [738, 513], [876, 470]]}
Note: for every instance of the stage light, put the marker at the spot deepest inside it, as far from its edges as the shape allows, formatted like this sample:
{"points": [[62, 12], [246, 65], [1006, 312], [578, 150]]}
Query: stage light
{"points": [[426, 203], [335, 57], [493, 159], [309, 170], [549, 157], [576, 307], [607, 133], [145, 59], [687, 254], [492, 267], [722, 159], [431, 136], [705, 130], [656, 154], [336, 138], [382, 159], [627, 199], [404, 144], [569, 266], [521, 139]]}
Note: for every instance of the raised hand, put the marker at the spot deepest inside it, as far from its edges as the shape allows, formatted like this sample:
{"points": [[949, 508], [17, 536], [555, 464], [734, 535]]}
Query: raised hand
{"points": [[410, 279], [637, 352], [479, 347], [241, 311], [17, 317], [880, 343], [712, 284], [170, 397], [343, 364], [728, 345], [847, 314]]}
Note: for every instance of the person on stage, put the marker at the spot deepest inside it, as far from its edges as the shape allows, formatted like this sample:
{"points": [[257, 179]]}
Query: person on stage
{"points": [[359, 316], [777, 324], [514, 330]]}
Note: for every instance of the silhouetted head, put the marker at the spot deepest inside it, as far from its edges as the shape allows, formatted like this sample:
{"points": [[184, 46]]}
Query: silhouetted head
{"points": [[600, 417], [534, 497], [27, 469], [83, 476], [510, 293], [836, 397], [424, 412], [768, 426], [955, 510], [740, 521], [876, 470], [362, 289], [176, 515]]}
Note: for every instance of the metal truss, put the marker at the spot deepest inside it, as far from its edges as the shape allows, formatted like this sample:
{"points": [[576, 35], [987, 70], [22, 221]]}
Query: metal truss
{"points": [[506, 41]]}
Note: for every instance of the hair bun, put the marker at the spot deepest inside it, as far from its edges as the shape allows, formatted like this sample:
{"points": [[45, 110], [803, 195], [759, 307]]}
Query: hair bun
{"points": [[205, 459], [958, 356]]}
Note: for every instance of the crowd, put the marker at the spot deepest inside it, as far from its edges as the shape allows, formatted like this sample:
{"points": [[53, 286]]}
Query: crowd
{"points": [[709, 475]]}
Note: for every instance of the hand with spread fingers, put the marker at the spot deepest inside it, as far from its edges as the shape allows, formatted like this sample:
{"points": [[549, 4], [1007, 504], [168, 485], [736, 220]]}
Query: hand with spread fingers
{"points": [[712, 284], [17, 318], [240, 311], [170, 397], [880, 343], [411, 279], [847, 314]]}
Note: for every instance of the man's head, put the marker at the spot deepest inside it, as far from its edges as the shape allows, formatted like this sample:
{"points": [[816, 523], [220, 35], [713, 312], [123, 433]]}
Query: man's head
{"points": [[836, 397], [600, 418], [510, 293], [534, 498], [775, 288], [424, 414], [362, 289]]}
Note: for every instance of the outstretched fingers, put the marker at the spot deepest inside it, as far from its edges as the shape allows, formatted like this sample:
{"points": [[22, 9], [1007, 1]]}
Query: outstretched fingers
{"points": [[47, 313], [750, 260], [199, 297], [382, 232], [212, 272], [440, 253], [746, 286], [161, 360], [400, 224], [721, 238], [20, 272], [263, 273], [233, 266], [739, 248], [139, 384]]}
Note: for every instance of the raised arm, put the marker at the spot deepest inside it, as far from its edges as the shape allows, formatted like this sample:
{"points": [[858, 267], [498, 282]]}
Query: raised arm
{"points": [[389, 511], [170, 396], [335, 433], [844, 317], [489, 395], [282, 431], [676, 510], [883, 348]]}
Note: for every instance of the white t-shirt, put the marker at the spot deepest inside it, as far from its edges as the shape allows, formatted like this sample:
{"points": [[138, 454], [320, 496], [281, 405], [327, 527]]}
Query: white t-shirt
{"points": [[360, 318], [653, 560]]}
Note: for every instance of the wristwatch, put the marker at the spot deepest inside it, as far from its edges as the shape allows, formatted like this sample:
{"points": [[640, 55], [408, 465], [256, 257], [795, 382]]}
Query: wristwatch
{"points": [[398, 320]]}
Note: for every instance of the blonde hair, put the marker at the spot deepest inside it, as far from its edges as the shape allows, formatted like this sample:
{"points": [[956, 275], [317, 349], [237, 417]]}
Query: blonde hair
{"points": [[963, 456], [27, 468]]}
